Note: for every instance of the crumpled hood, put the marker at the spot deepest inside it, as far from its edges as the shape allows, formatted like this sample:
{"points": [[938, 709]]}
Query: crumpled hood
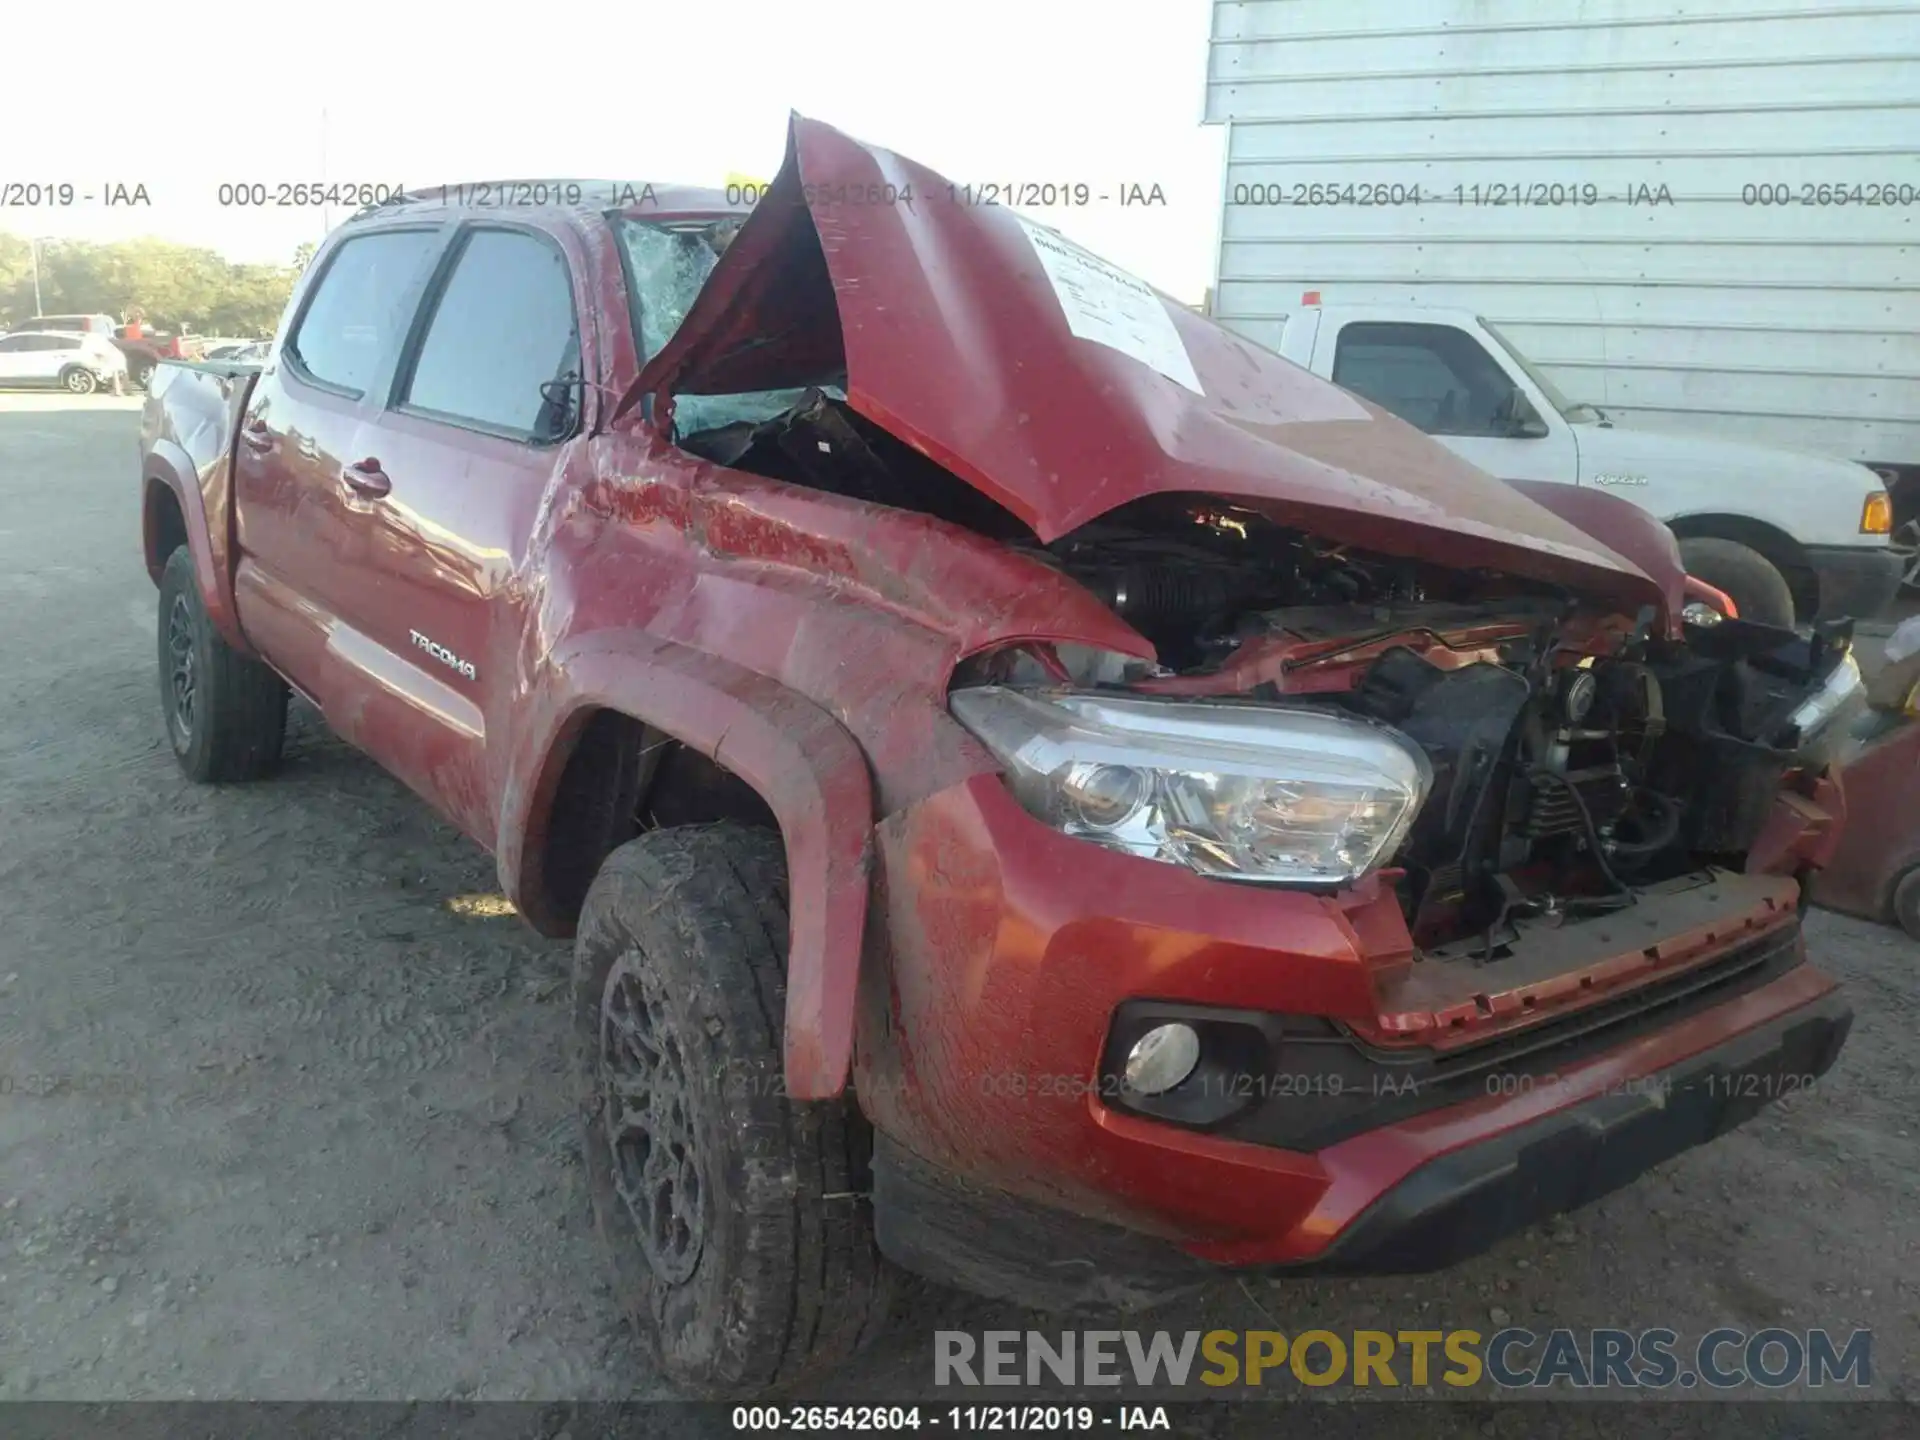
{"points": [[1062, 387]]}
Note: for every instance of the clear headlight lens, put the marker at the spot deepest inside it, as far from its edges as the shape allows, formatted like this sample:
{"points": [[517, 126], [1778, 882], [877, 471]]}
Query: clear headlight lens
{"points": [[1250, 792], [1841, 691]]}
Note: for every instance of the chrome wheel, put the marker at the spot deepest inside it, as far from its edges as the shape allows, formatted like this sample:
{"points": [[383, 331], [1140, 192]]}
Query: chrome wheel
{"points": [[644, 1091], [181, 671], [81, 382]]}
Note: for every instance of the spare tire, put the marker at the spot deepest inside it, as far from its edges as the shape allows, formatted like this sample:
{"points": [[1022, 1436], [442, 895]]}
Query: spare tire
{"points": [[1746, 576]]}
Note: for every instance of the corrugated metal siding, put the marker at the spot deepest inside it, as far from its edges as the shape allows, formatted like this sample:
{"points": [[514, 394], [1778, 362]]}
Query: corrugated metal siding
{"points": [[1798, 325]]}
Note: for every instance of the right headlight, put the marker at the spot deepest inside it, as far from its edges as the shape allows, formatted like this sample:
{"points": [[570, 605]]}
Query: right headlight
{"points": [[1240, 791], [1841, 691]]}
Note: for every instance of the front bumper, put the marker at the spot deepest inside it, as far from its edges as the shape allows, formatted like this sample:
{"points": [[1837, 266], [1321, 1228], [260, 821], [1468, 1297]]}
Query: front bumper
{"points": [[1007, 950], [1447, 1210], [1465, 1201], [1856, 581]]}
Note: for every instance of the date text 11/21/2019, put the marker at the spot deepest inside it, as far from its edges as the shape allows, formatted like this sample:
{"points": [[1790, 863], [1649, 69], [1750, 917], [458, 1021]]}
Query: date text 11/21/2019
{"points": [[961, 1419]]}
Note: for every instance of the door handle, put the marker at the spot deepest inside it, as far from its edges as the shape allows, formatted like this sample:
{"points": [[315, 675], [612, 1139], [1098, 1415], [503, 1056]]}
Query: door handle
{"points": [[255, 434], [365, 477]]}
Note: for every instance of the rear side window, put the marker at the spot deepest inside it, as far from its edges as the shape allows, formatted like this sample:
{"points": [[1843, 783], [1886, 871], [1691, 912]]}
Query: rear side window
{"points": [[359, 307], [501, 335]]}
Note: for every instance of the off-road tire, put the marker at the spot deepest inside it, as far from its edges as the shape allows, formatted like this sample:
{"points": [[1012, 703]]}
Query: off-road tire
{"points": [[78, 380], [235, 721], [1906, 902], [1749, 579], [761, 1267]]}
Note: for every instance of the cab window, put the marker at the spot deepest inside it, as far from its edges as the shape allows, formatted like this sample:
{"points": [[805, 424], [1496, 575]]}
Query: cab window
{"points": [[501, 351], [1433, 376]]}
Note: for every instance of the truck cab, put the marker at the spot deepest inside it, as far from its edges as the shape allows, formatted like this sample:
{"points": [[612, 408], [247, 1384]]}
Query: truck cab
{"points": [[1789, 536]]}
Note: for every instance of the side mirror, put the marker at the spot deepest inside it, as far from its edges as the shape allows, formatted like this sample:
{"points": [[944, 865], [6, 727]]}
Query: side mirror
{"points": [[1523, 421]]}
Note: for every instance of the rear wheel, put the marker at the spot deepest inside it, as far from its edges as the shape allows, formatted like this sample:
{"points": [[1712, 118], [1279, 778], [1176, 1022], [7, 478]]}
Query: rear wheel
{"points": [[226, 714], [78, 380], [736, 1221], [1748, 578]]}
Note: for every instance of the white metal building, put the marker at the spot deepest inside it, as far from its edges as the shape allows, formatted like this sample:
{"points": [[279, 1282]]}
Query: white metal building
{"points": [[1541, 136]]}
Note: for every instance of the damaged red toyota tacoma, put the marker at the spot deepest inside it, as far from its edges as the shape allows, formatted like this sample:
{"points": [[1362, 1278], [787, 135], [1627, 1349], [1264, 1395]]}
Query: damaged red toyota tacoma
{"points": [[1048, 796]]}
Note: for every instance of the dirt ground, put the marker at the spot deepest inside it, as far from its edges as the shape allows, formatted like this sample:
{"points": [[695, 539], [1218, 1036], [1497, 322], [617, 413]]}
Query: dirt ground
{"points": [[311, 1140]]}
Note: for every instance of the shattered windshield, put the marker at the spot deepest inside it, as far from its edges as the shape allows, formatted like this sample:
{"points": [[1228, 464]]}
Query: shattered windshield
{"points": [[667, 264]]}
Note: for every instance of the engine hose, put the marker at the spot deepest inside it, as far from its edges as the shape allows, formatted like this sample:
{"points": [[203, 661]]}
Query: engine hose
{"points": [[1663, 835], [1594, 842]]}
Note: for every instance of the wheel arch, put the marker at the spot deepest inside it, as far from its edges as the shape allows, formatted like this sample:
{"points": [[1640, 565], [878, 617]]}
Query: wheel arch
{"points": [[173, 513], [1781, 550], [803, 765]]}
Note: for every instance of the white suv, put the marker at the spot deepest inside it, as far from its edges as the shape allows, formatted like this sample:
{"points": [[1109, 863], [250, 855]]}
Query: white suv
{"points": [[78, 363]]}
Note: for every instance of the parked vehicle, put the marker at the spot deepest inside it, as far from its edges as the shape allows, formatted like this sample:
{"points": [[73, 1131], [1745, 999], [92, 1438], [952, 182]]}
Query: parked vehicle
{"points": [[1787, 535], [78, 363], [145, 347], [1047, 796], [1875, 870], [68, 324], [1744, 274]]}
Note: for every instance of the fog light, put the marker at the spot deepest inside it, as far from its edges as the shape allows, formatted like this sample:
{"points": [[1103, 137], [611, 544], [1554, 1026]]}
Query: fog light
{"points": [[1162, 1058]]}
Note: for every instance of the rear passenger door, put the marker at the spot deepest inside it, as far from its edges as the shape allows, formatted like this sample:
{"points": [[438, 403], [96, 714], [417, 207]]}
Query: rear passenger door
{"points": [[481, 413], [16, 360], [302, 522]]}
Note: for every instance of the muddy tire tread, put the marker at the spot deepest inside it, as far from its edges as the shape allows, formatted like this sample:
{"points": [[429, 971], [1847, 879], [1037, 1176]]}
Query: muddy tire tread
{"points": [[242, 703], [712, 898]]}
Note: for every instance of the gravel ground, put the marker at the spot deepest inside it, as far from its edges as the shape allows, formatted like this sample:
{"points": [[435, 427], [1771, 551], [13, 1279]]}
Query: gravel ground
{"points": [[312, 1143]]}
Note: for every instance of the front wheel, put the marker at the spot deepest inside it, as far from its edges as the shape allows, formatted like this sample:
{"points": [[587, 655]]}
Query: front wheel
{"points": [[736, 1221], [1747, 577], [78, 380], [226, 715], [1906, 540]]}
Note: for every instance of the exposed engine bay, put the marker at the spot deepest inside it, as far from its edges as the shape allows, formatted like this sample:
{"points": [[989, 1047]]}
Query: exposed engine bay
{"points": [[1576, 764], [1579, 758]]}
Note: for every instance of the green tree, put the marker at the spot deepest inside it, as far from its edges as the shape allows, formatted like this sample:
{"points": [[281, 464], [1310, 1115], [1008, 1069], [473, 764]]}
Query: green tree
{"points": [[174, 285]]}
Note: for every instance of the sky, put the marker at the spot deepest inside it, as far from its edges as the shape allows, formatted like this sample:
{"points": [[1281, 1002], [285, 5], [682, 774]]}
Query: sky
{"points": [[693, 91]]}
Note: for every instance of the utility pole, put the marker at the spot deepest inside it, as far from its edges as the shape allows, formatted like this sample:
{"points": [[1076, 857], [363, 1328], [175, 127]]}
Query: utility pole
{"points": [[33, 250], [326, 212]]}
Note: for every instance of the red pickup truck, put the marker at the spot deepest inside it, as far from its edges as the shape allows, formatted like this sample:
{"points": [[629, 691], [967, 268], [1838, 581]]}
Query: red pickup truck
{"points": [[1047, 795], [146, 347]]}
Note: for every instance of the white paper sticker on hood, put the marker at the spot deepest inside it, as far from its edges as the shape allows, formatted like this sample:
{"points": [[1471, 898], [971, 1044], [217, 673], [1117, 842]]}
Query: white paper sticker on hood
{"points": [[1106, 305]]}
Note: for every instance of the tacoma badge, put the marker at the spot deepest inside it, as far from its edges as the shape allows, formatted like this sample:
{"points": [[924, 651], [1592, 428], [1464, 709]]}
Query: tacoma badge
{"points": [[444, 656]]}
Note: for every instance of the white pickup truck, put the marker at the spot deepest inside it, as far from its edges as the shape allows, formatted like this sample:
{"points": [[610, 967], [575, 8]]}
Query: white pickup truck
{"points": [[1790, 537]]}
